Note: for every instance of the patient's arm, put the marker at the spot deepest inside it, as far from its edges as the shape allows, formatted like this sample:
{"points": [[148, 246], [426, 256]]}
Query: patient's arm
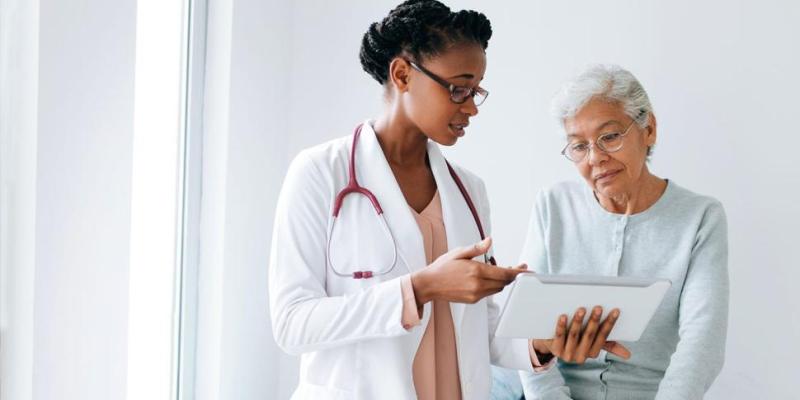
{"points": [[702, 314]]}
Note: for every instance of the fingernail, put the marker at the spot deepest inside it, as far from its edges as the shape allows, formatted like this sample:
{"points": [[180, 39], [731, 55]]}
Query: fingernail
{"points": [[581, 312], [597, 311], [615, 313]]}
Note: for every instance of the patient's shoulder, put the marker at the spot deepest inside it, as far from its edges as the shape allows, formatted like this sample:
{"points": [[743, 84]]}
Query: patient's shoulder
{"points": [[565, 195]]}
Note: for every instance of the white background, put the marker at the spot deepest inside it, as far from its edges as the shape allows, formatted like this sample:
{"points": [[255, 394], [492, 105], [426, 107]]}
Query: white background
{"points": [[282, 76], [67, 125], [79, 272]]}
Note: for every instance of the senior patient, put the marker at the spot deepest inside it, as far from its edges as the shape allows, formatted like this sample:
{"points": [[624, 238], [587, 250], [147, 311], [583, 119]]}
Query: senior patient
{"points": [[625, 221]]}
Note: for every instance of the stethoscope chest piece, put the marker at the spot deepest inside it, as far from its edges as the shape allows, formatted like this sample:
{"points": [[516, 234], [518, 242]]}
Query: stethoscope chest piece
{"points": [[354, 188]]}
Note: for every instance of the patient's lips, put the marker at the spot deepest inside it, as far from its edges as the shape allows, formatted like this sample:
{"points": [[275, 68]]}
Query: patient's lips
{"points": [[606, 176]]}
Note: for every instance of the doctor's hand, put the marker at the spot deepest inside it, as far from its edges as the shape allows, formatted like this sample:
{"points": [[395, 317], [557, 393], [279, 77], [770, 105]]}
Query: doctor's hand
{"points": [[455, 277], [575, 346]]}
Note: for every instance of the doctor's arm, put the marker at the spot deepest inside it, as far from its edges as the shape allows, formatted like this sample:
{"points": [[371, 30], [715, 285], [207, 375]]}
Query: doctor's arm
{"points": [[304, 317], [703, 314]]}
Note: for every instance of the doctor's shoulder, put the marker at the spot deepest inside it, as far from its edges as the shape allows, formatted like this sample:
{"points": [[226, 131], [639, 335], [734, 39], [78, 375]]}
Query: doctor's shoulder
{"points": [[324, 158], [319, 166]]}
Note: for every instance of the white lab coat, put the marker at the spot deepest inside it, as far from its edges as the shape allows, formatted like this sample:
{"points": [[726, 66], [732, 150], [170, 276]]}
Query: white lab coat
{"points": [[348, 331]]}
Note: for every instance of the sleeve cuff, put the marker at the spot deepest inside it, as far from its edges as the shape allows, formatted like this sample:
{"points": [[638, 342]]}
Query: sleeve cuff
{"points": [[537, 365], [411, 314]]}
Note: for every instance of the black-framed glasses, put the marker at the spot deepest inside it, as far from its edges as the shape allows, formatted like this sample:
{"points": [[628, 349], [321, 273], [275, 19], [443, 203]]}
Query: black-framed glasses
{"points": [[458, 94], [609, 143]]}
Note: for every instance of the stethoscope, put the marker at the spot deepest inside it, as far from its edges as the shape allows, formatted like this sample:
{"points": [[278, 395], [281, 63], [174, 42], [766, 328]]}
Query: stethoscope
{"points": [[354, 187]]}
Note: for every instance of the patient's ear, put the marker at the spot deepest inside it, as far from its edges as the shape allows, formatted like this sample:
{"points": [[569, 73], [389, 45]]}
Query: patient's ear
{"points": [[651, 132]]}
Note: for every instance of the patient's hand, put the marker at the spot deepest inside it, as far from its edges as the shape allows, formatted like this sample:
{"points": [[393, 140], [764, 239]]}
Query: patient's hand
{"points": [[575, 346]]}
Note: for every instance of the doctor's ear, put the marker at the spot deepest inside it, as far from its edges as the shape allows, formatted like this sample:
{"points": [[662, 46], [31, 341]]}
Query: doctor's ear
{"points": [[399, 73]]}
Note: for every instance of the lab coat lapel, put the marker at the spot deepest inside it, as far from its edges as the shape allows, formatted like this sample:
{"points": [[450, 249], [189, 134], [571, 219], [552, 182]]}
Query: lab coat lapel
{"points": [[373, 172], [458, 221]]}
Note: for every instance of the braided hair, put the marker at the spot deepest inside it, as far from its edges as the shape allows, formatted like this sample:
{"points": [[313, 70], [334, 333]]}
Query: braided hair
{"points": [[419, 29]]}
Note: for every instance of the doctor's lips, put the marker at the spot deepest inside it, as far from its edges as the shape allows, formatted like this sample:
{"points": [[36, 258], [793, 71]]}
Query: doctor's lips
{"points": [[458, 129]]}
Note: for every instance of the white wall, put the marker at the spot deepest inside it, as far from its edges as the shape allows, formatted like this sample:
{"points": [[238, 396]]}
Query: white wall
{"points": [[244, 154], [255, 143], [70, 116], [721, 75], [85, 130], [19, 40]]}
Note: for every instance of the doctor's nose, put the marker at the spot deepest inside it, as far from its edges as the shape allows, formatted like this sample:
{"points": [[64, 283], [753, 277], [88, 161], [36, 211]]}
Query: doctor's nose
{"points": [[469, 107]]}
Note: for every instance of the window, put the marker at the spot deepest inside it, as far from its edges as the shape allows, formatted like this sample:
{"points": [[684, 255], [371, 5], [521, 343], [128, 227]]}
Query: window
{"points": [[156, 199]]}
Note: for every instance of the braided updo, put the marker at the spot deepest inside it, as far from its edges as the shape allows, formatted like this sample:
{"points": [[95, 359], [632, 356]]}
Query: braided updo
{"points": [[420, 29]]}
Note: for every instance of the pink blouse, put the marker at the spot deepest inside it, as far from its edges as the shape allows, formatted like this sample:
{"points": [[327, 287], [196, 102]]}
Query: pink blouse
{"points": [[435, 368]]}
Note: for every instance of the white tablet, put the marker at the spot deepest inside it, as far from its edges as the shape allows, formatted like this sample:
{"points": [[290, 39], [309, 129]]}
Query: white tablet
{"points": [[536, 301]]}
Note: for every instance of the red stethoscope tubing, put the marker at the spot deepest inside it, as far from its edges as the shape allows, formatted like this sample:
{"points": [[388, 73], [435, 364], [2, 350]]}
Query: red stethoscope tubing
{"points": [[353, 187]]}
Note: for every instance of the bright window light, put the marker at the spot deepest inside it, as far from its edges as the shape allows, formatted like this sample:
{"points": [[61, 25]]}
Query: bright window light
{"points": [[155, 199]]}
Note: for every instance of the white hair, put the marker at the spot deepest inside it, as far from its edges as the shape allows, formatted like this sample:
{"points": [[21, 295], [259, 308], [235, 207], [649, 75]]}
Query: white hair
{"points": [[606, 82]]}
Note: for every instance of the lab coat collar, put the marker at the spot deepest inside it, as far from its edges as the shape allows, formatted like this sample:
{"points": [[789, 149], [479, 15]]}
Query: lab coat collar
{"points": [[373, 172], [458, 221]]}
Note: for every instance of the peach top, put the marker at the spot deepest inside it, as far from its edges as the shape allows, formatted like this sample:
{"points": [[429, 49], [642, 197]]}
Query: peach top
{"points": [[435, 367]]}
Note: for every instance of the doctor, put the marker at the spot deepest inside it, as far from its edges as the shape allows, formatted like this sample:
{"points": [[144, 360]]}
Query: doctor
{"points": [[420, 324], [372, 278]]}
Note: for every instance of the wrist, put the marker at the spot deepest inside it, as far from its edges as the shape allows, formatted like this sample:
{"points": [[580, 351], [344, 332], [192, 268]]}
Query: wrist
{"points": [[539, 359], [540, 346], [420, 287]]}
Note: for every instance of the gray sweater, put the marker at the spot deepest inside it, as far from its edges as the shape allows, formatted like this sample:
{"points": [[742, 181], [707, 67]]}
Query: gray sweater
{"points": [[683, 238]]}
